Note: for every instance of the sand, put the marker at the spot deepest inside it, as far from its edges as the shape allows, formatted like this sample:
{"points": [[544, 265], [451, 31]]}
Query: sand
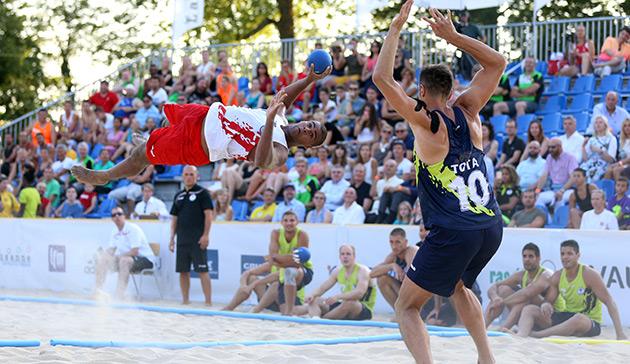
{"points": [[25, 321]]}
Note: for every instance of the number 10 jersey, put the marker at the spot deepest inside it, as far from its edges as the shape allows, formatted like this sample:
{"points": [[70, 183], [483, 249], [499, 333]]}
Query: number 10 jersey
{"points": [[455, 193]]}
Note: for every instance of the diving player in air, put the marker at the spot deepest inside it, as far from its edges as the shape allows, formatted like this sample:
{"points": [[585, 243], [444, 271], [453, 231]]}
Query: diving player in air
{"points": [[458, 205]]}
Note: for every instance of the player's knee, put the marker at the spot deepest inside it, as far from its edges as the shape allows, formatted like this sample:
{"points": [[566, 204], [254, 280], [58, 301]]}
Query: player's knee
{"points": [[383, 281], [505, 291], [290, 276], [530, 310]]}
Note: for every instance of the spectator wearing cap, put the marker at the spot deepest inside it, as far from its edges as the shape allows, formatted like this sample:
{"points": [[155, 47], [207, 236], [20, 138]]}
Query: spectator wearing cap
{"points": [[404, 166], [265, 212], [43, 125], [148, 110], [150, 207], [9, 205], [71, 207], [289, 203], [350, 212], [335, 188], [105, 98]]}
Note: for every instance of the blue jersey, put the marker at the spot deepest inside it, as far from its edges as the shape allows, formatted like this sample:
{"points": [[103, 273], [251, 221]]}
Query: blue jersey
{"points": [[455, 193]]}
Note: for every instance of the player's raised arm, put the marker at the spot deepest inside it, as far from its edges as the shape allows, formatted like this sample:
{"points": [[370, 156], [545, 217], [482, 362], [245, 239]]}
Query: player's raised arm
{"points": [[493, 63], [294, 89], [383, 76], [265, 153]]}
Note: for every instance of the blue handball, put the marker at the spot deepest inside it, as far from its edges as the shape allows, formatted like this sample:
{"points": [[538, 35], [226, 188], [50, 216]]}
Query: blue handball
{"points": [[320, 59], [301, 255]]}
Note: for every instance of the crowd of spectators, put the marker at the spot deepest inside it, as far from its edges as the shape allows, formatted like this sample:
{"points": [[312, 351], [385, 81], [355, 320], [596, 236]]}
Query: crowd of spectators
{"points": [[364, 171]]}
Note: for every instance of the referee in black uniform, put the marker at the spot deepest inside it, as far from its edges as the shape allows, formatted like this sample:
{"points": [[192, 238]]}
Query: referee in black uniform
{"points": [[192, 216]]}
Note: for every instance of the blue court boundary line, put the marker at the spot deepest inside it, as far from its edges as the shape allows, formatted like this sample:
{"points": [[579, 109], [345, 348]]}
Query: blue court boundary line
{"points": [[18, 343], [230, 314]]}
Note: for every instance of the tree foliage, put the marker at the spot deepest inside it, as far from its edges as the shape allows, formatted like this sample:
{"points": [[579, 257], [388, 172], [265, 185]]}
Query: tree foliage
{"points": [[21, 74]]}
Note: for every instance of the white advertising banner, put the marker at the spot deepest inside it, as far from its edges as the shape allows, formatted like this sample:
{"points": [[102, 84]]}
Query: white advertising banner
{"points": [[59, 255], [188, 15]]}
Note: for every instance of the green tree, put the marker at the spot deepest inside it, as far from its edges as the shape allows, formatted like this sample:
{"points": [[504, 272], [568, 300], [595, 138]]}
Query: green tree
{"points": [[521, 11], [21, 74]]}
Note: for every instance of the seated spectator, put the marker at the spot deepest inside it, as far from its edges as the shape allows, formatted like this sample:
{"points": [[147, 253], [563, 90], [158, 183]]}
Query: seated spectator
{"points": [[71, 207], [305, 184], [404, 214], [104, 98], [599, 151], [371, 97], [354, 108], [390, 273], [507, 192], [619, 204], [580, 200], [363, 188], [364, 157], [509, 293], [535, 132], [354, 61], [44, 209], [370, 62], [227, 89], [358, 291], [166, 75], [321, 168], [289, 203], [132, 191], [319, 214], [53, 188], [9, 150], [530, 216], [157, 94], [401, 129], [88, 199], [262, 74], [265, 212], [128, 253], [201, 94], [613, 55], [586, 292], [513, 147], [222, 210], [408, 82], [531, 169], [263, 179], [501, 94], [294, 114], [389, 114], [30, 201], [326, 105], [9, 205], [255, 99], [616, 170], [350, 212], [614, 113], [43, 125], [367, 126], [231, 177], [599, 218], [525, 94], [404, 167], [150, 207], [340, 158], [148, 110], [103, 162], [581, 54], [490, 145], [114, 137], [17, 168], [556, 177], [381, 148], [334, 188], [126, 81], [206, 68], [388, 190], [333, 134], [287, 76], [571, 140]]}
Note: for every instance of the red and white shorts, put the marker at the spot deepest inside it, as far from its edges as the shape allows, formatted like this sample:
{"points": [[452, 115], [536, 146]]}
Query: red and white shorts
{"points": [[180, 142]]}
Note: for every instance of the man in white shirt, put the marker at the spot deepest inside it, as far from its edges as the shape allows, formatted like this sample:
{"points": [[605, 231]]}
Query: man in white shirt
{"points": [[335, 188], [572, 140], [289, 203], [599, 218], [384, 189], [531, 168], [613, 112], [150, 207], [158, 95], [128, 252], [62, 163], [403, 165], [350, 212]]}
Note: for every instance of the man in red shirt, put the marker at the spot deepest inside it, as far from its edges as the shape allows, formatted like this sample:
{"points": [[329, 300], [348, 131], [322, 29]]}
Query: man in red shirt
{"points": [[105, 98]]}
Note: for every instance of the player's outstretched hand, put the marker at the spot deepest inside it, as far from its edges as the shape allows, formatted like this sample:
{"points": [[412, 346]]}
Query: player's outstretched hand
{"points": [[401, 18], [312, 76], [276, 104], [441, 25]]}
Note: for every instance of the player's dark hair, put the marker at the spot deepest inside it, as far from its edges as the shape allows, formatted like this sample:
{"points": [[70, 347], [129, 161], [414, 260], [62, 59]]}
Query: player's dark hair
{"points": [[398, 232], [533, 247], [572, 244], [437, 79], [290, 212]]}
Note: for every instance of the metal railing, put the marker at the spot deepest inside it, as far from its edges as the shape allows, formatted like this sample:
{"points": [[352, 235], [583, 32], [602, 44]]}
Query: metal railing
{"points": [[514, 41]]}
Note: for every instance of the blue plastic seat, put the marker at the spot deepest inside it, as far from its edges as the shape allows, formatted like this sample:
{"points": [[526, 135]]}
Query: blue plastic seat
{"points": [[560, 218], [579, 103], [541, 66], [552, 123], [96, 151], [170, 172], [239, 209], [606, 185], [584, 84], [104, 209], [553, 104], [559, 85], [523, 121], [609, 83], [498, 122]]}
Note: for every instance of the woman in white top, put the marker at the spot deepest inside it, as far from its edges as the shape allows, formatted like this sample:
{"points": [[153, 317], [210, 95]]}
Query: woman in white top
{"points": [[599, 151], [615, 170], [367, 127], [371, 166], [222, 210]]}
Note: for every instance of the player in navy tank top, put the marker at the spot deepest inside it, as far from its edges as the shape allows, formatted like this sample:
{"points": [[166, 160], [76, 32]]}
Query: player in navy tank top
{"points": [[458, 206]]}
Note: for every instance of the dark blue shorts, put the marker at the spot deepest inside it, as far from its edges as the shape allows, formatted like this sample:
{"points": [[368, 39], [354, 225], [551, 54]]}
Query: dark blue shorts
{"points": [[447, 255]]}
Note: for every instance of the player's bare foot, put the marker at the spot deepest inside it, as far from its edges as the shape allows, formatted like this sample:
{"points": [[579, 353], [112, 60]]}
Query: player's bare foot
{"points": [[507, 331], [84, 175]]}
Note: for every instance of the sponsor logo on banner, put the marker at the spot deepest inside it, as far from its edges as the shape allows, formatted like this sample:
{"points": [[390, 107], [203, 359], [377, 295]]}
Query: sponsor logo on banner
{"points": [[213, 264], [19, 256], [251, 261], [90, 264], [56, 258], [616, 277]]}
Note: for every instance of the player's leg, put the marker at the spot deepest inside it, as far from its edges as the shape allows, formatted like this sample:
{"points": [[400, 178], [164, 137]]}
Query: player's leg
{"points": [[130, 167], [270, 296], [317, 308], [389, 288], [292, 278], [513, 316], [206, 286], [347, 309], [184, 285], [411, 299], [577, 325], [124, 269], [469, 310], [531, 316], [103, 264], [491, 314]]}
